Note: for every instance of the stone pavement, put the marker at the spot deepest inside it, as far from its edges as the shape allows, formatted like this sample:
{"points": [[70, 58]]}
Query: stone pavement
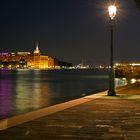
{"points": [[104, 118]]}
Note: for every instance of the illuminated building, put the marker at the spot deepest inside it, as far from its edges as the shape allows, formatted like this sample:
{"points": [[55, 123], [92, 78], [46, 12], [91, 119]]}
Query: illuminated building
{"points": [[42, 61], [51, 62], [26, 59], [37, 57], [127, 69], [34, 60], [4, 56]]}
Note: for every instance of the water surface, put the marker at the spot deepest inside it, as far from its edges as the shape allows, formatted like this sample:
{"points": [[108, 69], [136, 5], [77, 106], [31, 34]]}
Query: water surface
{"points": [[26, 90]]}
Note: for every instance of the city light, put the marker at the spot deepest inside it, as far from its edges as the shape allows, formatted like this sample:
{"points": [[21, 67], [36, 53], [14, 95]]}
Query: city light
{"points": [[112, 11], [133, 80]]}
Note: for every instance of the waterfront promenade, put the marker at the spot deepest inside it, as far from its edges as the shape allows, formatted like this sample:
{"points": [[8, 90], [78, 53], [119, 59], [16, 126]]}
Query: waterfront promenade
{"points": [[95, 117]]}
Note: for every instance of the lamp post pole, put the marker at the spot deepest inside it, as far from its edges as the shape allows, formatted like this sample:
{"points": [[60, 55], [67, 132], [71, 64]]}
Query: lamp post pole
{"points": [[111, 91]]}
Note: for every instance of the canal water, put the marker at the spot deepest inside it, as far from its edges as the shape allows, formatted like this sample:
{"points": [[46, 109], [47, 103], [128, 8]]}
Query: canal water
{"points": [[22, 91]]}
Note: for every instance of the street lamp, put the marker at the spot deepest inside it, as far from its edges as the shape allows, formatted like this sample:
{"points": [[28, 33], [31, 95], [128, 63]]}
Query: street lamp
{"points": [[111, 92], [112, 11]]}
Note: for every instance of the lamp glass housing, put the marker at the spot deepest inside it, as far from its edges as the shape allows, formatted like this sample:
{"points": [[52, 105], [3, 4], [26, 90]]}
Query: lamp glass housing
{"points": [[112, 11]]}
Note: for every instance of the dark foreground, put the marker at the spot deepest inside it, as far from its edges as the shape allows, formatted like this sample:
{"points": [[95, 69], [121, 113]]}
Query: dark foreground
{"points": [[104, 118]]}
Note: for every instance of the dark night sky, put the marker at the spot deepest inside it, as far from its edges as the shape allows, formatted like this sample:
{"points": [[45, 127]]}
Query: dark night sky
{"points": [[70, 30]]}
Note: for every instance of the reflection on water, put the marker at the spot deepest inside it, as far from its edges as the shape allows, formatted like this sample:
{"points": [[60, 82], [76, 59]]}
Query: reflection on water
{"points": [[24, 91], [4, 97]]}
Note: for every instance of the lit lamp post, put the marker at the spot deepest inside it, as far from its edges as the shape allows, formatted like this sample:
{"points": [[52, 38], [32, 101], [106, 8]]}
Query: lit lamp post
{"points": [[111, 92]]}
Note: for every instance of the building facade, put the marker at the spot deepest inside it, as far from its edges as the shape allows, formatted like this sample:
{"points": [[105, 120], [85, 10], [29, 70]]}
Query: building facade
{"points": [[26, 60]]}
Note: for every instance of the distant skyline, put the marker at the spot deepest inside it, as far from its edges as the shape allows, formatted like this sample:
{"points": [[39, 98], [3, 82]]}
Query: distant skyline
{"points": [[70, 30]]}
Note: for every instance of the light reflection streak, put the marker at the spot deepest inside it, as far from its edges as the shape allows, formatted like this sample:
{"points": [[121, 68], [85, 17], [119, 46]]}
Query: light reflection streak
{"points": [[31, 94], [4, 97]]}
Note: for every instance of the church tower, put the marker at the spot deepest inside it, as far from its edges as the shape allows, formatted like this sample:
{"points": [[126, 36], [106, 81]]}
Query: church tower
{"points": [[37, 57], [37, 51]]}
